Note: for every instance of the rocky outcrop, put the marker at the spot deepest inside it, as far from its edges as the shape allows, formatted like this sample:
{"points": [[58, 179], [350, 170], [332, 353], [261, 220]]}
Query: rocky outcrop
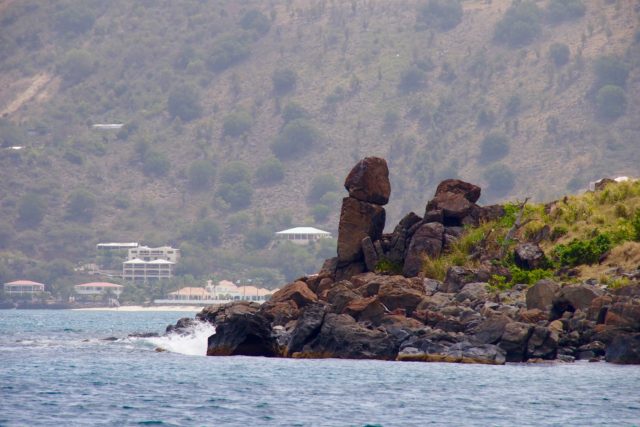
{"points": [[368, 181], [529, 256]]}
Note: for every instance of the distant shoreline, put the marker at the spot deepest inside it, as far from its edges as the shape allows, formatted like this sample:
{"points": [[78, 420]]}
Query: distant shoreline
{"points": [[134, 308]]}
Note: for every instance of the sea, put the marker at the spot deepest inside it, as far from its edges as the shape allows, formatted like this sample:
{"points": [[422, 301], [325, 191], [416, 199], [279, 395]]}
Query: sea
{"points": [[81, 368]]}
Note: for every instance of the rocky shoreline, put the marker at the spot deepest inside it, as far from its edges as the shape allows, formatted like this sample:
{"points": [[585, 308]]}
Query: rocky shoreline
{"points": [[350, 310]]}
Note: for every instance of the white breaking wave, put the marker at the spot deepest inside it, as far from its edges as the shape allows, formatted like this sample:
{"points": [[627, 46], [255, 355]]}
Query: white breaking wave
{"points": [[192, 342]]}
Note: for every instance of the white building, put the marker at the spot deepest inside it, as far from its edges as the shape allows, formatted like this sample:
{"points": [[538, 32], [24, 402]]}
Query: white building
{"points": [[116, 246], [145, 253], [98, 289], [23, 288], [302, 235], [147, 271]]}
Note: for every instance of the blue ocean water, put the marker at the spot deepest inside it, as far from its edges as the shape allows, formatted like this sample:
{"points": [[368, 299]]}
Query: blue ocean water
{"points": [[57, 369]]}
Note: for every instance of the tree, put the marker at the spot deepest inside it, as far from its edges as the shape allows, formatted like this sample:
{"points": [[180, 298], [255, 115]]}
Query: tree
{"points": [[237, 195], [81, 206], [184, 102], [74, 19], [441, 14], [234, 172], [293, 111], [320, 212], [494, 147], [31, 210], [255, 20], [296, 138], [321, 185], [412, 79], [270, 171], [76, 66], [284, 81], [565, 10], [610, 70], [258, 238], [206, 232], [156, 164], [236, 124], [520, 24], [500, 178], [611, 102], [11, 135], [559, 54], [201, 173], [228, 51]]}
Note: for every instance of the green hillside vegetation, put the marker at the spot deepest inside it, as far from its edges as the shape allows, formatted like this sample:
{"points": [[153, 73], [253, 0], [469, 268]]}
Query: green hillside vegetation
{"points": [[292, 91]]}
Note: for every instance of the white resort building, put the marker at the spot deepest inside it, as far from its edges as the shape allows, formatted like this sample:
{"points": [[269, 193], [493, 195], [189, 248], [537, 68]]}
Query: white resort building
{"points": [[302, 235], [222, 292], [23, 288], [98, 289], [145, 264]]}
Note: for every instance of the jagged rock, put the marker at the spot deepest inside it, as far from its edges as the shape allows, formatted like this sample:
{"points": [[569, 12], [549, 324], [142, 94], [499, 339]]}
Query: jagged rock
{"points": [[215, 314], [472, 292], [280, 313], [431, 286], [368, 181], [599, 307], [624, 315], [435, 301], [457, 277], [365, 309], [454, 207], [572, 298], [399, 326], [371, 256], [399, 292], [426, 242], [329, 267], [542, 344], [243, 334], [340, 295], [182, 326], [426, 350], [468, 191], [342, 337], [490, 331], [535, 315], [529, 256], [514, 341], [624, 349], [357, 220], [307, 326], [433, 214], [298, 292], [349, 270], [541, 295]]}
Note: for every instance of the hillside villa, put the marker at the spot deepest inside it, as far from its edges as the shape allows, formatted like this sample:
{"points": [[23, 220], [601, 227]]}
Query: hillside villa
{"points": [[222, 292], [98, 289], [23, 288], [150, 264], [302, 235]]}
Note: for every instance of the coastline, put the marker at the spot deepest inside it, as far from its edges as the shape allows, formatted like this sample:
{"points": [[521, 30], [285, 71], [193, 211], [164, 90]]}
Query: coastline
{"points": [[134, 308]]}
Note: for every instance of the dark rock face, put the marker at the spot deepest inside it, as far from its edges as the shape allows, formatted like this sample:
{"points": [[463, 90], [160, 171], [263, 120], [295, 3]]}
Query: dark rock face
{"points": [[455, 186], [357, 220], [426, 241], [368, 181], [572, 298], [427, 350], [529, 256], [624, 349], [307, 326], [624, 315], [541, 295], [490, 331], [514, 341], [243, 334], [457, 277], [343, 338]]}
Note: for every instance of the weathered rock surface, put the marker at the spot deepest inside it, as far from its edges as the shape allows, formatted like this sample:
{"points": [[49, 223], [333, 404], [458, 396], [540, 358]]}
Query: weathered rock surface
{"points": [[426, 242], [541, 295], [357, 220], [529, 256], [243, 334], [625, 349], [368, 181]]}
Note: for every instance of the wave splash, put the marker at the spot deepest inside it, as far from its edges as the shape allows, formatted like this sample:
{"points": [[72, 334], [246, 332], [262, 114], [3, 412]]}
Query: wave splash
{"points": [[192, 342]]}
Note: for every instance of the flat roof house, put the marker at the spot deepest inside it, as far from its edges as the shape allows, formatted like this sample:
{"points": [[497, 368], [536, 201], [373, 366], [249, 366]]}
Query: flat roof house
{"points": [[23, 288], [302, 235], [98, 289], [146, 271]]}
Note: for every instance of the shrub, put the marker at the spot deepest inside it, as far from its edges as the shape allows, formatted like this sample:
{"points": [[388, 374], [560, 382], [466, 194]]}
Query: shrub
{"points": [[486, 118], [557, 232], [270, 171], [201, 173], [610, 70], [76, 66], [31, 210], [512, 107], [321, 185], [155, 163], [293, 111], [579, 252], [559, 54], [520, 24], [441, 14], [258, 238], [228, 51], [412, 79], [237, 195], [494, 147], [206, 232], [284, 81], [296, 138], [565, 10], [11, 135], [81, 206], [500, 178], [256, 21], [184, 102], [74, 19], [635, 224], [236, 124], [234, 172], [320, 212], [611, 102]]}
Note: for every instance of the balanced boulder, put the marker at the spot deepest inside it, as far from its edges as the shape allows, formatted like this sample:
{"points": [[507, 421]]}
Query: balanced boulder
{"points": [[368, 181]]}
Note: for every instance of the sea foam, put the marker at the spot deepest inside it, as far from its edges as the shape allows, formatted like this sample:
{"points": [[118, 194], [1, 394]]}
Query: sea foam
{"points": [[192, 341]]}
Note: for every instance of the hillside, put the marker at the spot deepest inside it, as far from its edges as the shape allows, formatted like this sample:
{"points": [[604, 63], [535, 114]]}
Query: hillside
{"points": [[241, 117]]}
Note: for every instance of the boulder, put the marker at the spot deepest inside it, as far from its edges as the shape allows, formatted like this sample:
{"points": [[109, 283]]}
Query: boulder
{"points": [[215, 314], [572, 298], [243, 334], [454, 207], [368, 181], [426, 242], [280, 313], [340, 295], [490, 213], [529, 256], [342, 337], [468, 191], [542, 344], [358, 220], [428, 350], [457, 277], [541, 295], [473, 292], [348, 270], [599, 307], [365, 309], [624, 349], [307, 326], [514, 341], [490, 331], [399, 292], [624, 315], [371, 256], [298, 292]]}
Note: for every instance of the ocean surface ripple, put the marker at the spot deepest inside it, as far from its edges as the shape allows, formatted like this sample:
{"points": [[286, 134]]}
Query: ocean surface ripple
{"points": [[72, 368]]}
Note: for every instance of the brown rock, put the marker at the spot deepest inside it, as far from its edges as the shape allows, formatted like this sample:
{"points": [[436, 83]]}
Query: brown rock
{"points": [[534, 315], [541, 295], [624, 315], [454, 207], [469, 191], [365, 309], [357, 220], [371, 256], [215, 314], [572, 298], [598, 309], [280, 313], [426, 242], [368, 181], [347, 271], [529, 256], [340, 295], [298, 291]]}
